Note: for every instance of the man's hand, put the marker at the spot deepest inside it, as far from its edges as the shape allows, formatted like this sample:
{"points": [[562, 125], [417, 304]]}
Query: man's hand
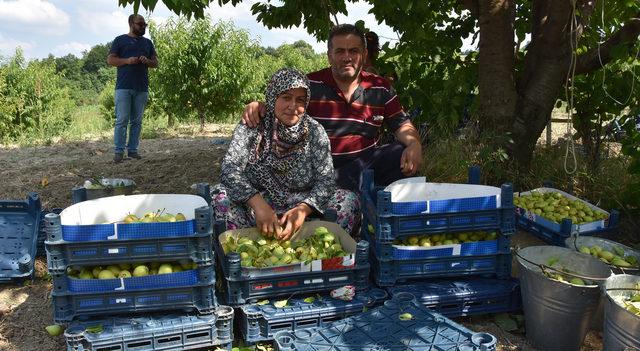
{"points": [[411, 159], [292, 220], [144, 60], [266, 219], [252, 114], [133, 60]]}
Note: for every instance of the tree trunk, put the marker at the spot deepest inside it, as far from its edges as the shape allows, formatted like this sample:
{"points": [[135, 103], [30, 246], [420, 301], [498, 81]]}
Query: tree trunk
{"points": [[546, 64], [496, 65], [171, 119], [201, 114]]}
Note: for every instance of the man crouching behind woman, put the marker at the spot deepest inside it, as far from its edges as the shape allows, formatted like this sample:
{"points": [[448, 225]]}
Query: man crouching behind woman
{"points": [[275, 176]]}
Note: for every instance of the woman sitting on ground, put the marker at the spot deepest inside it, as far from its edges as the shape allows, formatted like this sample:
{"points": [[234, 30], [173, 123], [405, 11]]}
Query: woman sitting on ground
{"points": [[277, 175]]}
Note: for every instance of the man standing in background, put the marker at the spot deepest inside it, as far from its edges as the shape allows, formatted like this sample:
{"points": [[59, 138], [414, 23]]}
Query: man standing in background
{"points": [[132, 54]]}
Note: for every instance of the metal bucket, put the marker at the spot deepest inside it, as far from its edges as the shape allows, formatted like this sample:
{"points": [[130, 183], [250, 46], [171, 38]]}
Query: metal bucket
{"points": [[621, 327], [575, 242], [557, 314]]}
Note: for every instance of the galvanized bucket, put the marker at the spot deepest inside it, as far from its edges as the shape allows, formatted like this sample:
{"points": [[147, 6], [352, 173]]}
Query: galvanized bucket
{"points": [[621, 327], [558, 314], [575, 242]]}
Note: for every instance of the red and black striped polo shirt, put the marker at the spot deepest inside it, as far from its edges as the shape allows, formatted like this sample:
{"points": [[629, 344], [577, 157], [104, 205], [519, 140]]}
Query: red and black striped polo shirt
{"points": [[354, 126]]}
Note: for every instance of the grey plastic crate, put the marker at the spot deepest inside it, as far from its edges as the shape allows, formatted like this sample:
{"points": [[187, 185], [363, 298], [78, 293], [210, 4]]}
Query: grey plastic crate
{"points": [[382, 328], [153, 332]]}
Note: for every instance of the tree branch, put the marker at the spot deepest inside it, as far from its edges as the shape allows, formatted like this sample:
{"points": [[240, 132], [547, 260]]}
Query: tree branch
{"points": [[596, 58]]}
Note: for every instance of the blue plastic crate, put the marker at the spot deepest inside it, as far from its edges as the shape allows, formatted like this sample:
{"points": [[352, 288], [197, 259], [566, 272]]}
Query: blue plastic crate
{"points": [[558, 238], [261, 322], [382, 329], [471, 296], [387, 251], [67, 307], [388, 273], [153, 332], [203, 275], [19, 225], [237, 289], [198, 246], [391, 223]]}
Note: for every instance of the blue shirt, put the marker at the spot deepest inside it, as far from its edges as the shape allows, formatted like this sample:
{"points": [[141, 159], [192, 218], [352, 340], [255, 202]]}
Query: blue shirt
{"points": [[134, 77]]}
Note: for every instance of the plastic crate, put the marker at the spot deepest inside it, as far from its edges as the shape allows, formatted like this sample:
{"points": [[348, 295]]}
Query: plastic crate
{"points": [[390, 223], [382, 329], [387, 251], [261, 322], [19, 225], [556, 233], [67, 307], [64, 252], [472, 296], [238, 289], [388, 273], [80, 193], [203, 275], [155, 332], [558, 237]]}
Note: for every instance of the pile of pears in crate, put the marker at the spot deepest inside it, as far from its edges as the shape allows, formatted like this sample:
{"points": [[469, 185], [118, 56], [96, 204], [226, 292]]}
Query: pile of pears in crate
{"points": [[267, 252], [445, 239], [127, 270], [555, 207], [152, 217]]}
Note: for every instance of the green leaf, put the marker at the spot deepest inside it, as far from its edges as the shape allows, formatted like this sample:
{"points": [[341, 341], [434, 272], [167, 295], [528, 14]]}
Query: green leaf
{"points": [[505, 322], [281, 303], [262, 302]]}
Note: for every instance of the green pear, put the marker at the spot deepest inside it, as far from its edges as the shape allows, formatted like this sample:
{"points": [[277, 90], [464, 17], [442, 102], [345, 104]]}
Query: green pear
{"points": [[165, 268], [577, 281], [106, 274], [54, 329], [85, 274], [124, 274], [140, 271], [180, 217]]}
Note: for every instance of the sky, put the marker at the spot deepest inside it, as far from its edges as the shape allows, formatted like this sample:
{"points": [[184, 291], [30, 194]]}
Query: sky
{"points": [[61, 27]]}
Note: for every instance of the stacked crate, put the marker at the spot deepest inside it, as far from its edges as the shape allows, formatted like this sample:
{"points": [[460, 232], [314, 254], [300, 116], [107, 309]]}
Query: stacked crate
{"points": [[303, 289], [456, 269], [172, 303]]}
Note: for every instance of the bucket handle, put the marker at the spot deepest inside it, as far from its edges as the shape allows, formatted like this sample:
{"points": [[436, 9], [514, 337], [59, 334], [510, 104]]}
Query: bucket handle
{"points": [[544, 267]]}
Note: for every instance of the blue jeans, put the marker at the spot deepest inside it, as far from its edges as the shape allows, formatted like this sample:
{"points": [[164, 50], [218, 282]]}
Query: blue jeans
{"points": [[129, 109]]}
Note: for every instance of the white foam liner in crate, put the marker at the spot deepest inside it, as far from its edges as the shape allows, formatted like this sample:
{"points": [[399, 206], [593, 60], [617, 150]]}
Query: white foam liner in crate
{"points": [[102, 219], [114, 208], [415, 195]]}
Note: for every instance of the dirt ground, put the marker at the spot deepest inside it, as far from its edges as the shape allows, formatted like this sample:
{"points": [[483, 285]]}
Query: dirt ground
{"points": [[169, 165]]}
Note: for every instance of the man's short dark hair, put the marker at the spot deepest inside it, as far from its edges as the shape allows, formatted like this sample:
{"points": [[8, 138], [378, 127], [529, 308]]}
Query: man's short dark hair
{"points": [[346, 29], [133, 17]]}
